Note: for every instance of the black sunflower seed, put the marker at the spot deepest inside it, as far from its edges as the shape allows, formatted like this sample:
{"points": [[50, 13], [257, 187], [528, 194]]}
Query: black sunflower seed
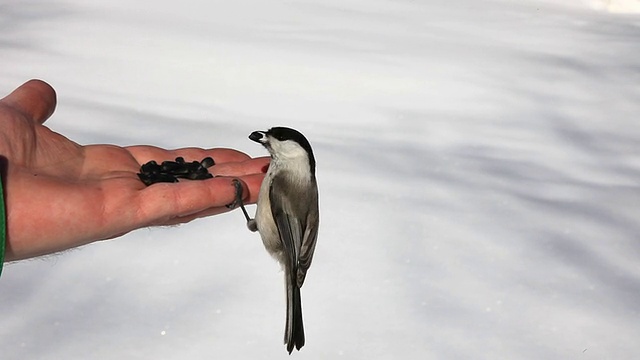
{"points": [[169, 171], [208, 162]]}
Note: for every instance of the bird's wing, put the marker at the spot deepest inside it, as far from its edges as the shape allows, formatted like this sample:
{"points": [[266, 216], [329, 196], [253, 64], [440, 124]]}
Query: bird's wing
{"points": [[298, 233], [289, 226], [309, 239]]}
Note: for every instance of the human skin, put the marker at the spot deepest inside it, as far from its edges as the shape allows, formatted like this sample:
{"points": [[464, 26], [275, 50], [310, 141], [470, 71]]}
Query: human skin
{"points": [[60, 195]]}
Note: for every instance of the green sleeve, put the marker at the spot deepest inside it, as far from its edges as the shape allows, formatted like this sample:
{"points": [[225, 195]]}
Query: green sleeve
{"points": [[3, 227]]}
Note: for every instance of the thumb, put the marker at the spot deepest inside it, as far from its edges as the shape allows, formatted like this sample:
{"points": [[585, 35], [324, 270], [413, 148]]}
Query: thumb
{"points": [[35, 99]]}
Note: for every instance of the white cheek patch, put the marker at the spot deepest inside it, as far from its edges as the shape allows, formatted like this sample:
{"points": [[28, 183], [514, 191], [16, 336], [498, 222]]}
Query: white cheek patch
{"points": [[288, 149], [291, 156]]}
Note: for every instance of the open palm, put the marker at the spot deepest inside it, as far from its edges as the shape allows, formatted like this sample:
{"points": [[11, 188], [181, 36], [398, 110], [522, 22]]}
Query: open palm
{"points": [[60, 194]]}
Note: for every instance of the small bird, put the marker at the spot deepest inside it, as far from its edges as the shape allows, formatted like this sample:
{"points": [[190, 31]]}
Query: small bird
{"points": [[287, 216]]}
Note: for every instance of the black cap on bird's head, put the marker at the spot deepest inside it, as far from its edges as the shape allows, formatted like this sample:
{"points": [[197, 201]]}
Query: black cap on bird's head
{"points": [[282, 134]]}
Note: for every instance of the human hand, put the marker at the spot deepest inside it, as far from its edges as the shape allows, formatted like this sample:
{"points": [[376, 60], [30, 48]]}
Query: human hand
{"points": [[61, 195]]}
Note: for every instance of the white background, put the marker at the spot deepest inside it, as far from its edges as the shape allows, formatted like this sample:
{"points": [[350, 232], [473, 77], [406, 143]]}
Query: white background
{"points": [[478, 161]]}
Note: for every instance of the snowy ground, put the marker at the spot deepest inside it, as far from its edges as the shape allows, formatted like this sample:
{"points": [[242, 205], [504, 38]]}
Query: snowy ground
{"points": [[479, 168]]}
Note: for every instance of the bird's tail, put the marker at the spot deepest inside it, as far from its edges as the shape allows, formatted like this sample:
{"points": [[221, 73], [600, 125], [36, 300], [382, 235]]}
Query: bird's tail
{"points": [[294, 329]]}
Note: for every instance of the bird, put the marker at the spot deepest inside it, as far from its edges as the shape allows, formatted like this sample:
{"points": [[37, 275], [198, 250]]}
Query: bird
{"points": [[287, 216]]}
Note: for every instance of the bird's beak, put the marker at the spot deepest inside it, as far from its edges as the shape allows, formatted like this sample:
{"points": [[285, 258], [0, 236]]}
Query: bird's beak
{"points": [[258, 136]]}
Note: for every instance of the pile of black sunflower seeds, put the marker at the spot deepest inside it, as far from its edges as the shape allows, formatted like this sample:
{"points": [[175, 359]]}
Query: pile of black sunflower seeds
{"points": [[170, 171]]}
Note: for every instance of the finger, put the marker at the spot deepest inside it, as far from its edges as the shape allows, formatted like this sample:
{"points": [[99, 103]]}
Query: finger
{"points": [[162, 203], [252, 185], [252, 166], [35, 99], [146, 153], [248, 182], [189, 218]]}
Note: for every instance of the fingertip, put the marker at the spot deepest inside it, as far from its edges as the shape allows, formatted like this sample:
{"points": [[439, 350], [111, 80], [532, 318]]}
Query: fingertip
{"points": [[35, 98], [253, 183], [250, 186], [48, 97], [264, 163], [241, 168], [43, 85]]}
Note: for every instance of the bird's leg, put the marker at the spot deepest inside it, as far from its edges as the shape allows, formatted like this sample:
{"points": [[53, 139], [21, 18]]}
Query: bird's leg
{"points": [[251, 223], [238, 200]]}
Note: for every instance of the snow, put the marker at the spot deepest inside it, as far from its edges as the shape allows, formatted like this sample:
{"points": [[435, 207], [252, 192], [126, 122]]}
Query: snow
{"points": [[617, 6], [479, 168]]}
